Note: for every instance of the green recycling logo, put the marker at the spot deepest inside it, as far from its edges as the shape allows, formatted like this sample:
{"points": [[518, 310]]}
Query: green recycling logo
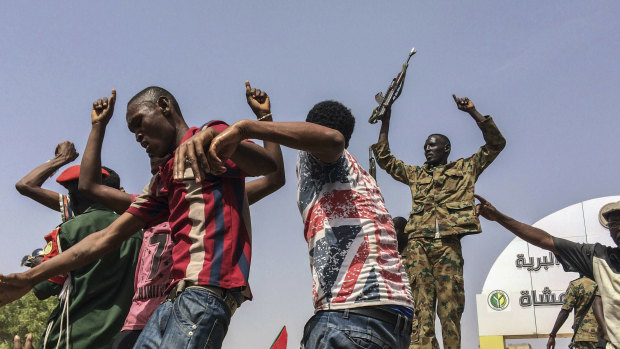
{"points": [[498, 300]]}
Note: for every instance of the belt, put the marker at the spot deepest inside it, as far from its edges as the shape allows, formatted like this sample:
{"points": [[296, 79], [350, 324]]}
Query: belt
{"points": [[226, 295], [378, 313]]}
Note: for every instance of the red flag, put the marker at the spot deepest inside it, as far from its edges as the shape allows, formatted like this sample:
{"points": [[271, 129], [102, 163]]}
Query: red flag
{"points": [[280, 342]]}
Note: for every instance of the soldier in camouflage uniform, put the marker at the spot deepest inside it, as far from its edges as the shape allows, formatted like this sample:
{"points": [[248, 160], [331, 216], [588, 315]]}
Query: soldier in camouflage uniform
{"points": [[442, 212], [579, 296]]}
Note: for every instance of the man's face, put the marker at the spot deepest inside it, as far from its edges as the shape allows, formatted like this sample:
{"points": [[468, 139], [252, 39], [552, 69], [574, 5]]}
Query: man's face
{"points": [[613, 220], [436, 150], [75, 197], [152, 129]]}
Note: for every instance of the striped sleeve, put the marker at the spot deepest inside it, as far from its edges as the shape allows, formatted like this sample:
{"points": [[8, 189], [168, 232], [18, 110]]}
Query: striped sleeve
{"points": [[148, 206]]}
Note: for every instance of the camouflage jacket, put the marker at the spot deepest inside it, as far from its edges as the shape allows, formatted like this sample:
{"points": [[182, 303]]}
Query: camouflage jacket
{"points": [[443, 196], [579, 296]]}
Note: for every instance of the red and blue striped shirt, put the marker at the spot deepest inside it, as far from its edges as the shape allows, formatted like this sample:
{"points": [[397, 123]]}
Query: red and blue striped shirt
{"points": [[209, 222]]}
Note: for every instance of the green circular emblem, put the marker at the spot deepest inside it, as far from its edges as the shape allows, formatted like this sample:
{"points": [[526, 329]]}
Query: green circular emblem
{"points": [[48, 248], [498, 300]]}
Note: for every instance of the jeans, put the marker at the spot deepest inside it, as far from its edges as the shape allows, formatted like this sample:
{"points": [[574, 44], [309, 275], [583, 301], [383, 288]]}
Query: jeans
{"points": [[197, 318], [344, 330]]}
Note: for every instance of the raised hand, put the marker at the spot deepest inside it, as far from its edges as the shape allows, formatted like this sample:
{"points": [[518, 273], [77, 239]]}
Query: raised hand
{"points": [[257, 100], [486, 210], [464, 104], [66, 152], [103, 109]]}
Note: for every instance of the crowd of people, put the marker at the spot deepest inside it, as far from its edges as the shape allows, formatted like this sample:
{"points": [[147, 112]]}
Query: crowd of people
{"points": [[168, 268]]}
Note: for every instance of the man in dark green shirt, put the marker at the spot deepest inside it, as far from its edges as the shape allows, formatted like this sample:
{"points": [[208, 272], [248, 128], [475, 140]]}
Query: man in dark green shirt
{"points": [[94, 299]]}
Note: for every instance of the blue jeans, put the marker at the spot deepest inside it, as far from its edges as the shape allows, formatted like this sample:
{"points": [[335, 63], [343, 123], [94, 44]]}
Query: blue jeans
{"points": [[197, 318], [344, 330]]}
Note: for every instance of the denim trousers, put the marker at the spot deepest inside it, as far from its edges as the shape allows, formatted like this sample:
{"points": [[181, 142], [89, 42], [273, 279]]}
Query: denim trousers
{"points": [[344, 330], [197, 318]]}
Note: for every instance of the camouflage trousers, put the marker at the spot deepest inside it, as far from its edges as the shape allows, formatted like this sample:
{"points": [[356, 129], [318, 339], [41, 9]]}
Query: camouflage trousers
{"points": [[435, 270], [582, 345]]}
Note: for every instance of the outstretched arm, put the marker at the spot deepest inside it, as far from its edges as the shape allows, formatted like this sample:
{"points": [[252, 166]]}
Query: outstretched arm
{"points": [[324, 143], [94, 246], [90, 170], [254, 160], [534, 236], [30, 185]]}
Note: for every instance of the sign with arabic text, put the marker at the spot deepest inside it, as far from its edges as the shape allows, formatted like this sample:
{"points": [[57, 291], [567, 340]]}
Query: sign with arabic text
{"points": [[525, 286]]}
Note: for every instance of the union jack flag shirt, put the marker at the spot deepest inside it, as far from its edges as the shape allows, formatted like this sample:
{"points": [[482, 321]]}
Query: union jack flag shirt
{"points": [[351, 239]]}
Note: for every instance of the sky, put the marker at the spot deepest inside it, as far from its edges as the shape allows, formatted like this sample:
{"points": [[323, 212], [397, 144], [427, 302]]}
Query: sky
{"points": [[547, 71]]}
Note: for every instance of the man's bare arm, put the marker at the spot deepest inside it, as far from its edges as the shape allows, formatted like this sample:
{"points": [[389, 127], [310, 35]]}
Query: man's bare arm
{"points": [[597, 308], [250, 158], [90, 170], [261, 187], [559, 321], [324, 143], [94, 246], [534, 236], [30, 185]]}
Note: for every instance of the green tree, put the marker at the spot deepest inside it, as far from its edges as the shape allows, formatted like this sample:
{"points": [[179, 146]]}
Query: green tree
{"points": [[26, 315]]}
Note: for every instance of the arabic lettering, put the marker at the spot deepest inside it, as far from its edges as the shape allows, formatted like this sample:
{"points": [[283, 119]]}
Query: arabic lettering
{"points": [[525, 300], [547, 297], [543, 262]]}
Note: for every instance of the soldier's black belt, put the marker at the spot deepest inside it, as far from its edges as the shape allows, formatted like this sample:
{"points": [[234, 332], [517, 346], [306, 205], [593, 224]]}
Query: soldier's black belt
{"points": [[381, 314]]}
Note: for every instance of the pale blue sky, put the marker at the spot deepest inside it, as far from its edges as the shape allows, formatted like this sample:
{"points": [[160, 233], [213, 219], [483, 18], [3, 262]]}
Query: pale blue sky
{"points": [[546, 71]]}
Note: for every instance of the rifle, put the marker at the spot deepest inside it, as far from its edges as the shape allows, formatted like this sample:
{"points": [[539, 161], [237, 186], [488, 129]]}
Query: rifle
{"points": [[392, 93]]}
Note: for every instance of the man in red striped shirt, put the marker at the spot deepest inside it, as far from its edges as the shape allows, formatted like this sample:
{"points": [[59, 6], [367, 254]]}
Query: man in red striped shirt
{"points": [[208, 218]]}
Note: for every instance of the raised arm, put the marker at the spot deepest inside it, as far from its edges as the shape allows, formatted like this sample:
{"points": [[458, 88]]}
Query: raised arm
{"points": [[494, 141], [385, 126], [263, 186], [388, 162], [534, 236], [90, 170], [30, 185], [94, 246]]}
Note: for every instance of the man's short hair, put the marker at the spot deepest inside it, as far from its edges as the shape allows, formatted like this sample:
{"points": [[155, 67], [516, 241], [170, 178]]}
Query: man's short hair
{"points": [[401, 236], [151, 94], [334, 115], [399, 223], [442, 137], [113, 180]]}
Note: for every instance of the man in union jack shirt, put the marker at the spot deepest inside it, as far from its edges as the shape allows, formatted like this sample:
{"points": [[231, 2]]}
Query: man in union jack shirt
{"points": [[361, 293]]}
